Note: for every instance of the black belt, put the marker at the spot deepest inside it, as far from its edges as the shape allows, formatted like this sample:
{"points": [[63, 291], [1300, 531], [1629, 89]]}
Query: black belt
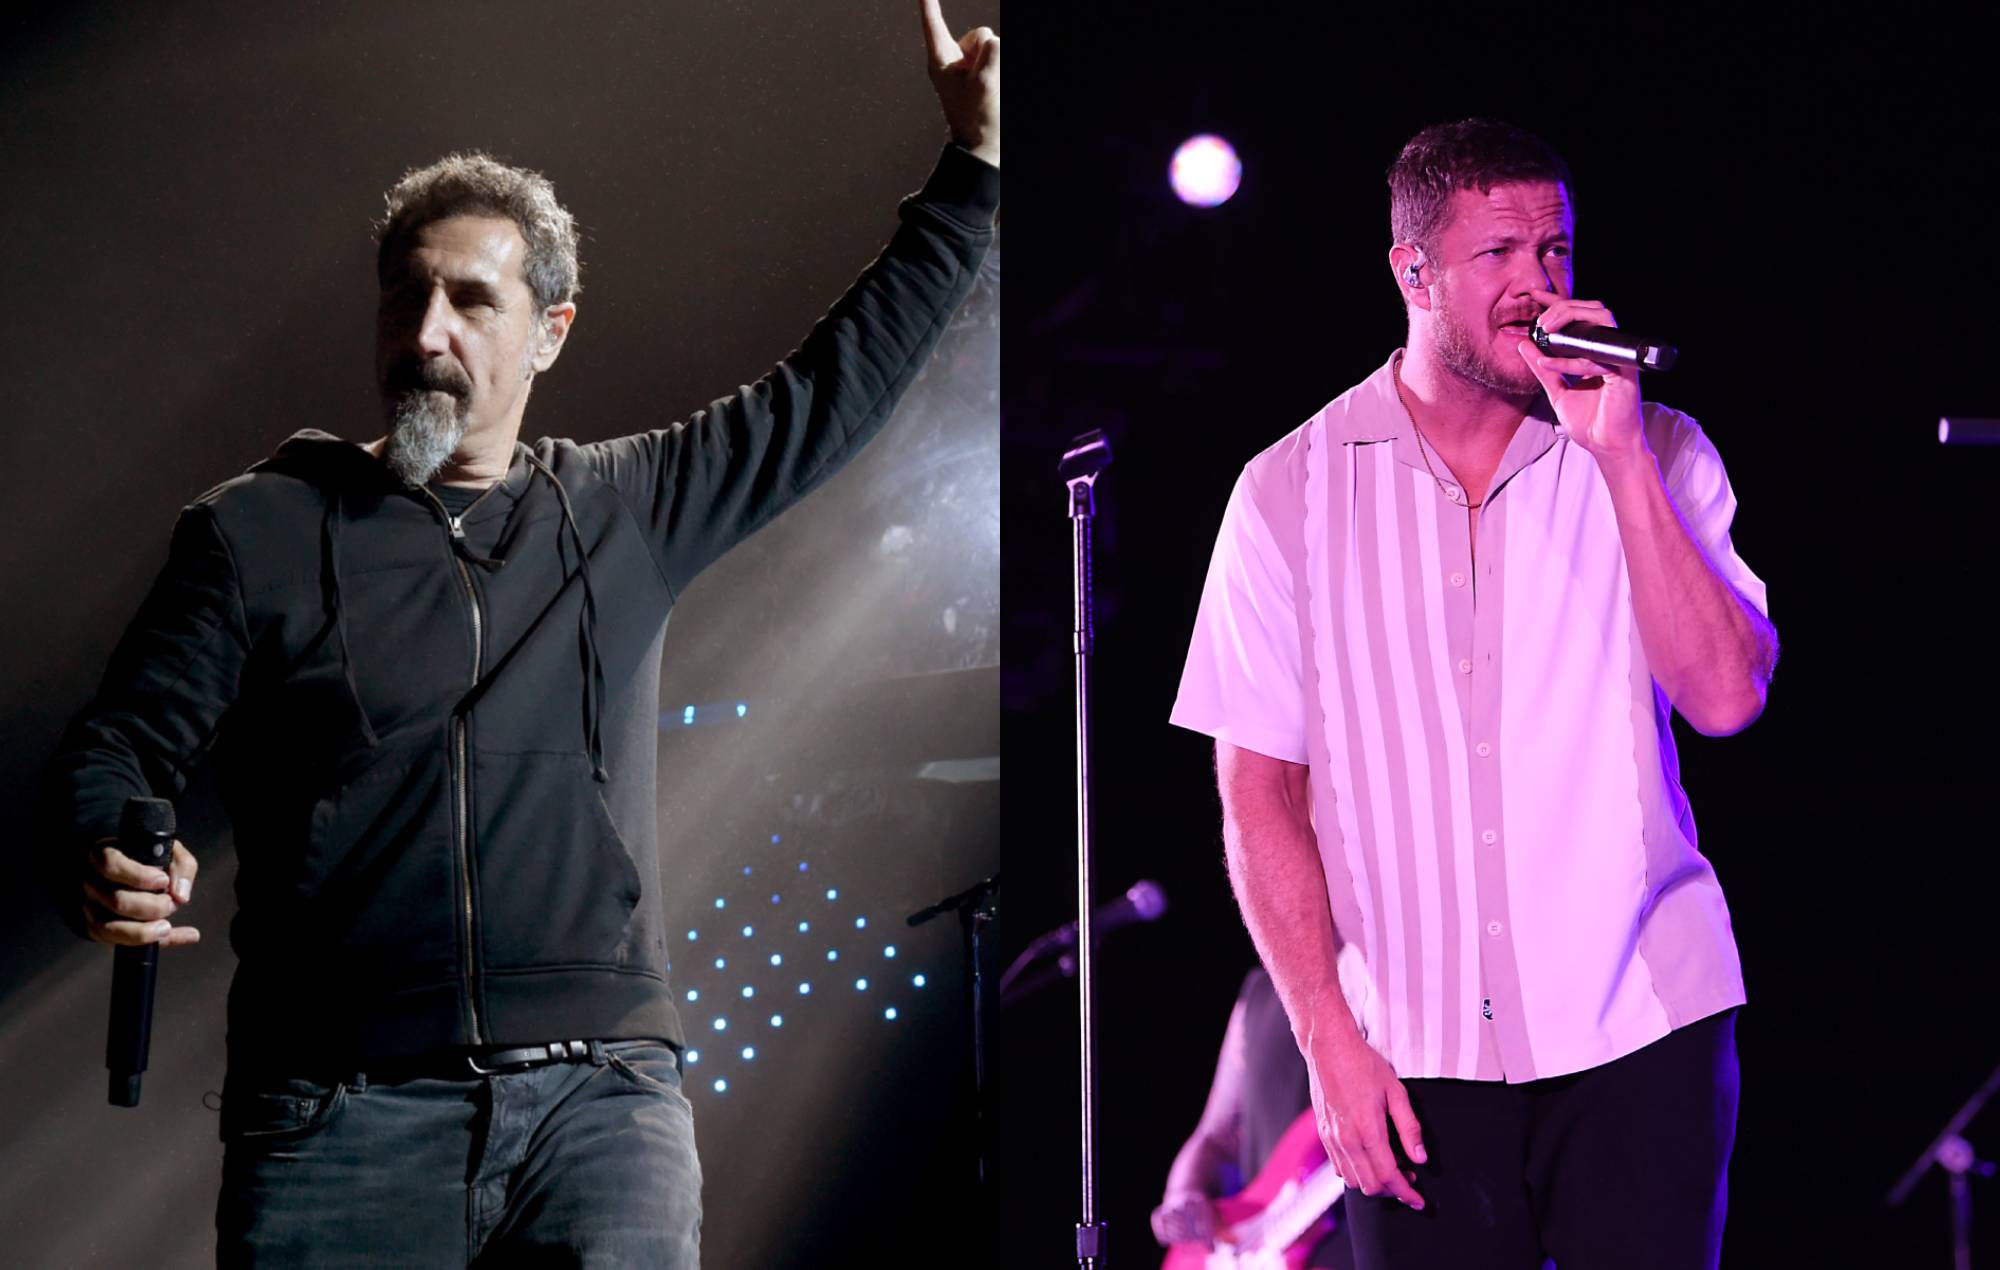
{"points": [[465, 1064]]}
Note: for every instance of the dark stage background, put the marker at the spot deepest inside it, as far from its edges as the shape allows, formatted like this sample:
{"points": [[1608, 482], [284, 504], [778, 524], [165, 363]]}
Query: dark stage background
{"points": [[1805, 208], [188, 191]]}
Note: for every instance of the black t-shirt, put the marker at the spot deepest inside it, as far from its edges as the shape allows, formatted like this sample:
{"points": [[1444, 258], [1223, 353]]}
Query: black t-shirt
{"points": [[456, 498]]}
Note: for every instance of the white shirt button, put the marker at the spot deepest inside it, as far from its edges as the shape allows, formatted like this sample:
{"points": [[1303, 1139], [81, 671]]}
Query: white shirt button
{"points": [[1489, 836], [1482, 749], [1451, 492], [1458, 579], [1465, 665], [1493, 928]]}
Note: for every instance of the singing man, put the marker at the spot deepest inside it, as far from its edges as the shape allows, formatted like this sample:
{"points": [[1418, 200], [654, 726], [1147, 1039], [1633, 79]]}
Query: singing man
{"points": [[1443, 632]]}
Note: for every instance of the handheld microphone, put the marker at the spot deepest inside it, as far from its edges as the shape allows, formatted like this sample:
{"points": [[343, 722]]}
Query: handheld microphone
{"points": [[1606, 344], [146, 834]]}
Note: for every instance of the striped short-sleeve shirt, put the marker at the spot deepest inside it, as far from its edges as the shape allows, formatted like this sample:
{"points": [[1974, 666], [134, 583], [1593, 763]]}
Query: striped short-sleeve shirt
{"points": [[1510, 861]]}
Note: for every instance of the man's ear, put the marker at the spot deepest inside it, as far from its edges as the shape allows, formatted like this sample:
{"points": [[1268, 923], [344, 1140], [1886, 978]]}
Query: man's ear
{"points": [[550, 335], [1412, 271]]}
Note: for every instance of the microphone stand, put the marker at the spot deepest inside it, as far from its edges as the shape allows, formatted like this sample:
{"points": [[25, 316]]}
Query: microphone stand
{"points": [[976, 907], [1087, 456], [1952, 1153]]}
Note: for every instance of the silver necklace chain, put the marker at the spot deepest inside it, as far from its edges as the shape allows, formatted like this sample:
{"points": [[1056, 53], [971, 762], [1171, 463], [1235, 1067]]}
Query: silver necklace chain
{"points": [[1422, 443]]}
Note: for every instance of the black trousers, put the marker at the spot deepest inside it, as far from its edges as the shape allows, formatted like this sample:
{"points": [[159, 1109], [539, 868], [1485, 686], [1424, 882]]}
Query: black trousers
{"points": [[1624, 1165]]}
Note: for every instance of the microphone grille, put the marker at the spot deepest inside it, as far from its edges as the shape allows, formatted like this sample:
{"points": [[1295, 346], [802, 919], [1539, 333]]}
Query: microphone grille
{"points": [[1148, 900], [146, 817]]}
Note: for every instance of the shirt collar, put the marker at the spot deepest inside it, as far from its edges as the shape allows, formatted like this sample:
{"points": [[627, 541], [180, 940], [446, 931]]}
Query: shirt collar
{"points": [[1372, 412]]}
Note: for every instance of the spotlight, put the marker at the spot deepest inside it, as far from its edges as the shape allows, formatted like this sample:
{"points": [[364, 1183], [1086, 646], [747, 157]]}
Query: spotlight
{"points": [[1205, 171], [861, 985], [889, 1013]]}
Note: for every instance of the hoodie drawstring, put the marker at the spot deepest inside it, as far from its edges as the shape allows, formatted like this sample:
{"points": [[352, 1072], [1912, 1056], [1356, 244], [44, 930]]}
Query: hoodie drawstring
{"points": [[593, 689]]}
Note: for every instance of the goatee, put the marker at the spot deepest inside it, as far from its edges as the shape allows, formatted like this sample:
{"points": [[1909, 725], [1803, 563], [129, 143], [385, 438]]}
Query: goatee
{"points": [[426, 422]]}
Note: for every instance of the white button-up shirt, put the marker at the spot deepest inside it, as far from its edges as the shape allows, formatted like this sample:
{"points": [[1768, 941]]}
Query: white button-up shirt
{"points": [[1510, 860]]}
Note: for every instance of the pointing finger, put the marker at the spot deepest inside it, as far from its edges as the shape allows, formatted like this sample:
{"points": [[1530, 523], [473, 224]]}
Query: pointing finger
{"points": [[944, 49]]}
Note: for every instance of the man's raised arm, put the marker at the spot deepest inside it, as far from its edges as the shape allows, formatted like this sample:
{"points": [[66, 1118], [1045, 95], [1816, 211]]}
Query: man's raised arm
{"points": [[703, 485]]}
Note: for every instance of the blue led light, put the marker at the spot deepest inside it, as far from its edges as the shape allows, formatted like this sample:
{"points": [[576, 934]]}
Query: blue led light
{"points": [[749, 1052], [692, 1056], [832, 893], [746, 932], [719, 903], [687, 715], [777, 1020], [804, 927], [721, 1086], [861, 985], [889, 1013], [890, 951], [720, 963], [694, 995], [861, 923], [742, 709], [805, 988], [832, 955], [919, 981], [722, 1025], [691, 935], [746, 870], [749, 991], [774, 899], [777, 959]]}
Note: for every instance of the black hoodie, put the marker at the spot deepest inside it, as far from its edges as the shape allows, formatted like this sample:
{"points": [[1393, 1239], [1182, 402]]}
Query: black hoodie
{"points": [[436, 738]]}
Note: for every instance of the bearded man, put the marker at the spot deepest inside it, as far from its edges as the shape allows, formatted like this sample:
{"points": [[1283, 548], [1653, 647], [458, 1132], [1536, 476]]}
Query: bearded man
{"points": [[432, 664], [1443, 632]]}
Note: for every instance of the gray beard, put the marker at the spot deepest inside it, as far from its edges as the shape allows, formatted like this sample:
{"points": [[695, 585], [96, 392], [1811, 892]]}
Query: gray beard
{"points": [[424, 431]]}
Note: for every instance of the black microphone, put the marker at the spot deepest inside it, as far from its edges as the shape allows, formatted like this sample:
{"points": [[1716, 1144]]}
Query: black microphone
{"points": [[1607, 344], [1143, 901], [146, 834]]}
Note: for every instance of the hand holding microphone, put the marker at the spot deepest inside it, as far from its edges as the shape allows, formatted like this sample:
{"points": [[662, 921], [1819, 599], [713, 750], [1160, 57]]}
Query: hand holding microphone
{"points": [[144, 854]]}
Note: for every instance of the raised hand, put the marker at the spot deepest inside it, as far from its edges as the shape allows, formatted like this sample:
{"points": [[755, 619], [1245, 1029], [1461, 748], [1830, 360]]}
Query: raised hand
{"points": [[1597, 404], [966, 73]]}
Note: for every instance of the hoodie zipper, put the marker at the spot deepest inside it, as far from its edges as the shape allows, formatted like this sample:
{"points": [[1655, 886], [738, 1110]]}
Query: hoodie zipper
{"points": [[457, 528]]}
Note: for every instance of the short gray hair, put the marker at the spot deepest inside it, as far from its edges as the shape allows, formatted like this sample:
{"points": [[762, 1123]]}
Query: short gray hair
{"points": [[474, 183]]}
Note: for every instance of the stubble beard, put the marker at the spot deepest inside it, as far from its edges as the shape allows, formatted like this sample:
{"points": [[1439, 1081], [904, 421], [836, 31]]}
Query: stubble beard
{"points": [[1469, 357]]}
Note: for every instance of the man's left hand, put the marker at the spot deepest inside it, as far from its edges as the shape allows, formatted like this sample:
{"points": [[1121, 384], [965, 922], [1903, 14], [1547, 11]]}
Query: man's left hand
{"points": [[1598, 405], [966, 73]]}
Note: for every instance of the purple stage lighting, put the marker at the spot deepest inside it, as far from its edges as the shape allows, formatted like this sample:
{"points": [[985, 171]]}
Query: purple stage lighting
{"points": [[1205, 171]]}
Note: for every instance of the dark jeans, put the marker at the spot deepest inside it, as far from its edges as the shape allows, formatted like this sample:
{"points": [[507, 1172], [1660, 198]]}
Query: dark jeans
{"points": [[589, 1163], [1624, 1165]]}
